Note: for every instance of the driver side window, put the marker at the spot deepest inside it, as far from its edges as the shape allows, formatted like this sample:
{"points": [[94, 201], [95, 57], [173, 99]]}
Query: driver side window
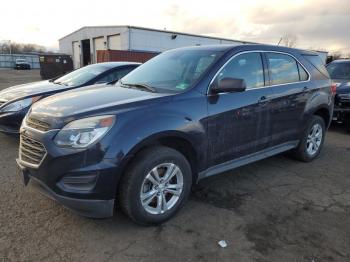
{"points": [[246, 66]]}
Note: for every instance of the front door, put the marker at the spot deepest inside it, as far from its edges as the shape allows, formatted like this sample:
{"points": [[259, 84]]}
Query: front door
{"points": [[238, 122]]}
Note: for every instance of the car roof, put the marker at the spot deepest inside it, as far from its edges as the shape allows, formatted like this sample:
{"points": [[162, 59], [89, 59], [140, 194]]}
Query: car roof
{"points": [[341, 61], [247, 47], [116, 64]]}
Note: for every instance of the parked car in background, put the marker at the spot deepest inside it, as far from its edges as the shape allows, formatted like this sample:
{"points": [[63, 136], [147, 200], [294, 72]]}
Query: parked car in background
{"points": [[15, 101], [339, 71], [21, 63], [184, 115]]}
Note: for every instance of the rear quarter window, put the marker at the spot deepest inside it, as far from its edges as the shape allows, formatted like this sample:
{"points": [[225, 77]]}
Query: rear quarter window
{"points": [[302, 73], [317, 62]]}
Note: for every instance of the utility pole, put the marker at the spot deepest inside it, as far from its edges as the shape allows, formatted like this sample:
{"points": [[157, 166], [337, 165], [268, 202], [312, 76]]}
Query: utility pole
{"points": [[13, 64]]}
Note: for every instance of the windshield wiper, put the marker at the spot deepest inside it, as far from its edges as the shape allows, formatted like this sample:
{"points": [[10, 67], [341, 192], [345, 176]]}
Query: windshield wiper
{"points": [[140, 85]]}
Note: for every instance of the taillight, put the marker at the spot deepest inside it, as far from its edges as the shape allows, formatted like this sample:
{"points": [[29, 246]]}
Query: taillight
{"points": [[334, 88]]}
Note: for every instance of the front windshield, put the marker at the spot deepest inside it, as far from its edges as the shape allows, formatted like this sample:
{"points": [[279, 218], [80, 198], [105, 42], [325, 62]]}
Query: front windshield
{"points": [[339, 70], [81, 76], [173, 71]]}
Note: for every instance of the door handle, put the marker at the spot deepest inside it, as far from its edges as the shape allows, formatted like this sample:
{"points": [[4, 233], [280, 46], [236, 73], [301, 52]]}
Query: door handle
{"points": [[262, 99], [305, 89]]}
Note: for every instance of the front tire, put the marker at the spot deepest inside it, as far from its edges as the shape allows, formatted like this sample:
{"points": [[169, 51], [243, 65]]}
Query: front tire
{"points": [[155, 186], [312, 140]]}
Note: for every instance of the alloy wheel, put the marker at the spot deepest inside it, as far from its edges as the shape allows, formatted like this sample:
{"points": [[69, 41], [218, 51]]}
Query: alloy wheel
{"points": [[161, 188], [314, 139]]}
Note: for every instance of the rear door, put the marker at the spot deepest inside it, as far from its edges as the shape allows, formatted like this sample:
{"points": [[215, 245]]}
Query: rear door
{"points": [[238, 122], [289, 83]]}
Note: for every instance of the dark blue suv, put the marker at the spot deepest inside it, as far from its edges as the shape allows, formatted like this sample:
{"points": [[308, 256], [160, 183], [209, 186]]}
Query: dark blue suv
{"points": [[187, 114]]}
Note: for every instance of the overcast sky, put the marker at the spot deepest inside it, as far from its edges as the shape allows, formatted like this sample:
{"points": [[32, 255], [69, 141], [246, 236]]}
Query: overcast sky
{"points": [[317, 24]]}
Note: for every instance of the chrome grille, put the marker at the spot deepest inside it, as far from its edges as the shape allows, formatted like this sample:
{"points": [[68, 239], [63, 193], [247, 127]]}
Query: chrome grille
{"points": [[31, 151], [37, 124]]}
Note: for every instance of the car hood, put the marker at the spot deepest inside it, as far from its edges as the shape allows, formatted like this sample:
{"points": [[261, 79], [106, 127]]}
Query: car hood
{"points": [[31, 89], [97, 99], [343, 85]]}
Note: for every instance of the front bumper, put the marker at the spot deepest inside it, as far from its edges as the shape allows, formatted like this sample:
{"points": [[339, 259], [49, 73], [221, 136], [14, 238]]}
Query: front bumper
{"points": [[81, 180], [10, 122], [84, 207], [22, 66], [341, 110], [341, 114]]}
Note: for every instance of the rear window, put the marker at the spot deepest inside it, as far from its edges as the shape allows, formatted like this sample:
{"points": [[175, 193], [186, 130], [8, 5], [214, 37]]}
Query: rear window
{"points": [[318, 63]]}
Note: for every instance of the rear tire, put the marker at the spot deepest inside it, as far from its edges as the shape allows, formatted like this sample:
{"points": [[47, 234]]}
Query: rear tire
{"points": [[146, 194], [312, 140]]}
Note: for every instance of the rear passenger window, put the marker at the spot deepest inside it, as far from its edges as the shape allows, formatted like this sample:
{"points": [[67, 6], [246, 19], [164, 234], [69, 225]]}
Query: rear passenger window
{"points": [[245, 66], [283, 69]]}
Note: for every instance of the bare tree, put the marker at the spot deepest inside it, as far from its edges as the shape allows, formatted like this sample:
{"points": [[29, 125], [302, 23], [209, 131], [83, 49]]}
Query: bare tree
{"points": [[6, 47], [290, 40], [336, 55]]}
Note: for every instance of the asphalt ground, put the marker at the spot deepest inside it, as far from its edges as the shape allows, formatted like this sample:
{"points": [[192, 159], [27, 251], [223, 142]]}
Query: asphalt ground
{"points": [[277, 209]]}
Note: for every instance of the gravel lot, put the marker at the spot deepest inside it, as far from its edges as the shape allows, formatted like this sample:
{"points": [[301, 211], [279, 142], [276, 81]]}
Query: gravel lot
{"points": [[277, 209]]}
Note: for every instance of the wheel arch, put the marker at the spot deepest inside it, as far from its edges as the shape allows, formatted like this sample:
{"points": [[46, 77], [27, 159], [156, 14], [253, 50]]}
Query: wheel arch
{"points": [[172, 139], [324, 113]]}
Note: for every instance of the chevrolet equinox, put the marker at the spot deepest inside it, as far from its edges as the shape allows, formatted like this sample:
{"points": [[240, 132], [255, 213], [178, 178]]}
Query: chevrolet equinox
{"points": [[185, 115]]}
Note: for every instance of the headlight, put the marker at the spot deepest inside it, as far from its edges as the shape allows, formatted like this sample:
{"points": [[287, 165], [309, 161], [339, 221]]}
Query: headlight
{"points": [[84, 132], [19, 105]]}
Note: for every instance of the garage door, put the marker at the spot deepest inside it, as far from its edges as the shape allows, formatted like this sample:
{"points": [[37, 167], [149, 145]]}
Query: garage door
{"points": [[98, 45], [76, 55], [114, 42]]}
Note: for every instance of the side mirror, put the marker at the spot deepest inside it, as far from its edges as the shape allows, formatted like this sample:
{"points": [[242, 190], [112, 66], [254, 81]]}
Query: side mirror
{"points": [[229, 85]]}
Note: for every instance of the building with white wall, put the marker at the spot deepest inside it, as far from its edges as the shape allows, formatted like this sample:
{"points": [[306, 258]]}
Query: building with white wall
{"points": [[83, 44]]}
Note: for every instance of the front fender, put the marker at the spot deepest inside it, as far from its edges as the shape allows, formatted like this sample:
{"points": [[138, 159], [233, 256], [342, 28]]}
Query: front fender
{"points": [[135, 129]]}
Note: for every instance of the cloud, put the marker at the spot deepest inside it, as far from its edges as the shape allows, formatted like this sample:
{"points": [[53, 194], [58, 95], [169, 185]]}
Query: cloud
{"points": [[317, 24], [190, 22]]}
